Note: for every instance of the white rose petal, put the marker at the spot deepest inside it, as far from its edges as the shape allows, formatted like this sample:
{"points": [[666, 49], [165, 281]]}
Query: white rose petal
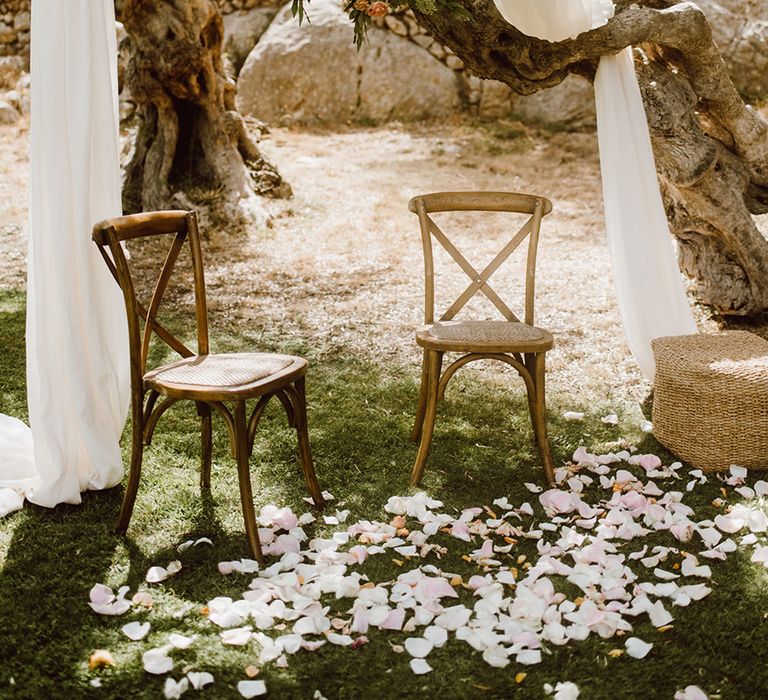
{"points": [[136, 630], [239, 636], [252, 689], [566, 691], [179, 641], [420, 667], [199, 679], [173, 689], [157, 661], [573, 416], [637, 648], [418, 647]]}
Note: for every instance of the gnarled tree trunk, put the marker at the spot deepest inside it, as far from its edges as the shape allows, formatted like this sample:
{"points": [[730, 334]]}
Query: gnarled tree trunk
{"points": [[711, 149], [190, 137]]}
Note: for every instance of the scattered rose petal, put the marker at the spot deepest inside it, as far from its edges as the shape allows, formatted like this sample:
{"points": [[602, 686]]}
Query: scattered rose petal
{"points": [[104, 602], [252, 689], [239, 636], [136, 630], [418, 647], [692, 692], [637, 648], [573, 416], [179, 641], [157, 661], [566, 691], [199, 679], [173, 689], [420, 667]]}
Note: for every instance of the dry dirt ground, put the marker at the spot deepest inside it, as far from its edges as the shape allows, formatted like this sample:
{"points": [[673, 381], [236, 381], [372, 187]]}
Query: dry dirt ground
{"points": [[340, 267]]}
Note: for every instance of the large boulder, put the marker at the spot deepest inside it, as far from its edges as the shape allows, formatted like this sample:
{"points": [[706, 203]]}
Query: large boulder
{"points": [[242, 30], [571, 104], [314, 73], [740, 28]]}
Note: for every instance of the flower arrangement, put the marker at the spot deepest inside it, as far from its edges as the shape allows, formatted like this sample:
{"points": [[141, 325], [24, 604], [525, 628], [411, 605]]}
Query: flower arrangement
{"points": [[361, 11]]}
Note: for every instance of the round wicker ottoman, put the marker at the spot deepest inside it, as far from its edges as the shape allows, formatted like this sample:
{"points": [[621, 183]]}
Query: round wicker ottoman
{"points": [[710, 402]]}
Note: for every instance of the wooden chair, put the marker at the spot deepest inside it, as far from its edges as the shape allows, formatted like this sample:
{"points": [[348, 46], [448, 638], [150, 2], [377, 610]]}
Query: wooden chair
{"points": [[209, 380], [519, 344]]}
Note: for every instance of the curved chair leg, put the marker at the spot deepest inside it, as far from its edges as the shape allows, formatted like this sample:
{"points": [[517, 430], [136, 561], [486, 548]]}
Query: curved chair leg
{"points": [[421, 407], [244, 478], [434, 362], [530, 365], [134, 475], [305, 453], [539, 418], [206, 431]]}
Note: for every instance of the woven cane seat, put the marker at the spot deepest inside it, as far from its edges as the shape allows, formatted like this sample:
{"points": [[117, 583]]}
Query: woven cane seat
{"points": [[710, 404], [490, 336], [233, 372]]}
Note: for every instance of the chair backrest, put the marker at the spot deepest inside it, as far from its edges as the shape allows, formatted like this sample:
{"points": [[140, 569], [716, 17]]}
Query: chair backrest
{"points": [[424, 205], [182, 225]]}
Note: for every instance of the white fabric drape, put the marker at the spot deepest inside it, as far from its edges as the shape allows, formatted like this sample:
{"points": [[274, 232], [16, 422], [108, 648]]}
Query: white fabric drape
{"points": [[77, 354], [649, 288]]}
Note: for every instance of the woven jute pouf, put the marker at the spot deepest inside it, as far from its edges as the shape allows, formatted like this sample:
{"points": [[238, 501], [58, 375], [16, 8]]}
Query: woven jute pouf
{"points": [[710, 401]]}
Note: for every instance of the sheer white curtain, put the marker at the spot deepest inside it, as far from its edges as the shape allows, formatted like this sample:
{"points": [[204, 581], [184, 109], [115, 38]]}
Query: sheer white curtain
{"points": [[77, 357], [649, 287]]}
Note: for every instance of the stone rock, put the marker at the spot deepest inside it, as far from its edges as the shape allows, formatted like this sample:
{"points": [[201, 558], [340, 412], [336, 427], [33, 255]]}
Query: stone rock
{"points": [[241, 32], [314, 73], [570, 105], [740, 28], [11, 70], [495, 99], [22, 21], [8, 113]]}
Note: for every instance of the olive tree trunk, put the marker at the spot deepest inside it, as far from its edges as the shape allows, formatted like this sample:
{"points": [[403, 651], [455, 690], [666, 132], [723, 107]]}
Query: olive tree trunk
{"points": [[711, 149], [191, 140]]}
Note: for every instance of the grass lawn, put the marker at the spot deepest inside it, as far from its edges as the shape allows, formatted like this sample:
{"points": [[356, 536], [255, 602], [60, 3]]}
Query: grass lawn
{"points": [[360, 417]]}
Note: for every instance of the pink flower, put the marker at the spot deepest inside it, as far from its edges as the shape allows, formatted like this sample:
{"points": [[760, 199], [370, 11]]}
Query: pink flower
{"points": [[377, 9]]}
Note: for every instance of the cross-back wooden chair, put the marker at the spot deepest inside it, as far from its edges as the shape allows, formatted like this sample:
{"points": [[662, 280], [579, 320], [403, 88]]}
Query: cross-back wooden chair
{"points": [[210, 380], [518, 343]]}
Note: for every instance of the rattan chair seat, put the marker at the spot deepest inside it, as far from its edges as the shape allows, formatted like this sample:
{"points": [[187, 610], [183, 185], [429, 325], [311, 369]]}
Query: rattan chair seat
{"points": [[232, 372], [492, 336]]}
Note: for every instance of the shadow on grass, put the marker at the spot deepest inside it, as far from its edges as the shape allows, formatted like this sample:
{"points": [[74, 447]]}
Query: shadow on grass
{"points": [[360, 419]]}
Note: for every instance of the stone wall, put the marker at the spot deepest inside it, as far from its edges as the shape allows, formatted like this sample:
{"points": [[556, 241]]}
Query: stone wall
{"points": [[228, 6], [14, 28], [15, 22]]}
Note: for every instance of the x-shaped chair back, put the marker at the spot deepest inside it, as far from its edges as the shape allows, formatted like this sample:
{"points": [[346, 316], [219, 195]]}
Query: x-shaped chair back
{"points": [[428, 204], [182, 225]]}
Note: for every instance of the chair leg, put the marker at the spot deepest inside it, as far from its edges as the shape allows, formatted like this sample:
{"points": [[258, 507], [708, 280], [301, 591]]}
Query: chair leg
{"points": [[206, 430], [305, 453], [134, 475], [530, 365], [244, 477], [434, 362], [421, 407], [539, 418]]}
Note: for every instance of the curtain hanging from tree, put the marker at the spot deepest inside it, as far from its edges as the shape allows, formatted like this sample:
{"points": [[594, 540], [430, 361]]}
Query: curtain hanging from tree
{"points": [[649, 288], [77, 358]]}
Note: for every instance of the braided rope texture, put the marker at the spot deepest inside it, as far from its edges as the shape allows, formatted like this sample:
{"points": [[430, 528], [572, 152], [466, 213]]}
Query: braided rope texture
{"points": [[710, 404]]}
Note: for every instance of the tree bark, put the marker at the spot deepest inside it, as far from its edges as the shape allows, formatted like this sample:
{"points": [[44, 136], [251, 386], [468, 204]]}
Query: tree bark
{"points": [[711, 149], [191, 139]]}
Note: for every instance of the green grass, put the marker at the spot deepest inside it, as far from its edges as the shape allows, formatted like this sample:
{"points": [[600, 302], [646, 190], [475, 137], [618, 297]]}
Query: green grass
{"points": [[360, 417]]}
